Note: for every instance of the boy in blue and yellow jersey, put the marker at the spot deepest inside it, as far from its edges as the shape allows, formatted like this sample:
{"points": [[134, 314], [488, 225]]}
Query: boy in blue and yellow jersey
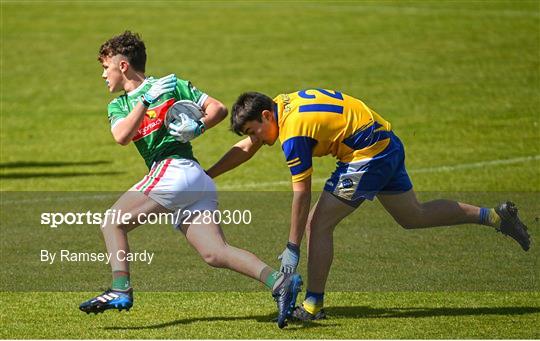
{"points": [[337, 125], [371, 162]]}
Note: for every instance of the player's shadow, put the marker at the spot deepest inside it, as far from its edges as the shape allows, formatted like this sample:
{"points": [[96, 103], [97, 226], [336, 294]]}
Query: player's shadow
{"points": [[419, 312], [359, 312], [269, 318], [17, 174], [28, 175], [40, 164]]}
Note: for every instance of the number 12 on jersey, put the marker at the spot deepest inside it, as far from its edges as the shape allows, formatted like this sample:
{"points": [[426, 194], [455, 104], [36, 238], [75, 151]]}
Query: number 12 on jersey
{"points": [[320, 107]]}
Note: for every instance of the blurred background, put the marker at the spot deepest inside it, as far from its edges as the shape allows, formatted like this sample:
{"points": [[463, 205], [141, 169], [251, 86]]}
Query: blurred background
{"points": [[459, 81]]}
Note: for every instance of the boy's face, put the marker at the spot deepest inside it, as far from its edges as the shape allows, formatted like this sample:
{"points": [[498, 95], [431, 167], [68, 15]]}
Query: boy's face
{"points": [[266, 131], [113, 72]]}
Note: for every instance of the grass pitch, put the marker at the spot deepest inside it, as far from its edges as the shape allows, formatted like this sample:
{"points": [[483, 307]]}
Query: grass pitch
{"points": [[459, 81], [489, 315]]}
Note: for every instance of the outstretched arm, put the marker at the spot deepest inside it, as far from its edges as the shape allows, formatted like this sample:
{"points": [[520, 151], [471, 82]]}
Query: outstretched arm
{"points": [[300, 210], [238, 154], [299, 216]]}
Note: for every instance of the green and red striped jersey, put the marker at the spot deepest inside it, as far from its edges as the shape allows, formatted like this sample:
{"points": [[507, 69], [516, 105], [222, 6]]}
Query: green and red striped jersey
{"points": [[152, 139]]}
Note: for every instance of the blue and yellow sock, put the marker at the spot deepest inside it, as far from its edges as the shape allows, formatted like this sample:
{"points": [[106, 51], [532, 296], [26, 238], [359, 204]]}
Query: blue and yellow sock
{"points": [[314, 302], [489, 217]]}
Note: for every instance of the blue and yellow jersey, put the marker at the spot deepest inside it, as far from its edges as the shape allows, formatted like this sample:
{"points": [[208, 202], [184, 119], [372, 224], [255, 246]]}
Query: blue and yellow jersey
{"points": [[319, 122]]}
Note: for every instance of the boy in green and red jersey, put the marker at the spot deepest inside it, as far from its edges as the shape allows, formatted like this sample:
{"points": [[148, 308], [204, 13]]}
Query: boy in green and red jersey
{"points": [[176, 182]]}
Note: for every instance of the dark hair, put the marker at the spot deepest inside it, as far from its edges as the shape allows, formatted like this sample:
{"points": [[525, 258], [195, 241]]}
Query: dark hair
{"points": [[249, 107], [126, 44]]}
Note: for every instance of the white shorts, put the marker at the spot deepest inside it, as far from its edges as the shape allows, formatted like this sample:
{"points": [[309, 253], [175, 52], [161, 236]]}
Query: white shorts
{"points": [[179, 185]]}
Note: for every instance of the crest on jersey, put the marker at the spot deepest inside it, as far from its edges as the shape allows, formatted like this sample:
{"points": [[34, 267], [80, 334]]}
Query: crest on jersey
{"points": [[151, 114], [347, 183]]}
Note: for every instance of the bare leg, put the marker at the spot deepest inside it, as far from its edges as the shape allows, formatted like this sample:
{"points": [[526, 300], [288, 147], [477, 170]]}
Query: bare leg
{"points": [[115, 234], [411, 214], [210, 243], [325, 215], [115, 229]]}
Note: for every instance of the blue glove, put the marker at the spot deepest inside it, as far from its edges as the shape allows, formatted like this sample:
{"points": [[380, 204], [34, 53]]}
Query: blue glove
{"points": [[186, 130], [289, 258], [161, 86]]}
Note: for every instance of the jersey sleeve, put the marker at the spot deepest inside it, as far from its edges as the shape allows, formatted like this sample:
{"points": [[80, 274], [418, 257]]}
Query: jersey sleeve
{"points": [[116, 112], [186, 90], [298, 152]]}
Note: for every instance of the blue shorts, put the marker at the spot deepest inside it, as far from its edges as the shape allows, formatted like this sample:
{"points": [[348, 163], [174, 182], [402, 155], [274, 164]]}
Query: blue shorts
{"points": [[385, 173]]}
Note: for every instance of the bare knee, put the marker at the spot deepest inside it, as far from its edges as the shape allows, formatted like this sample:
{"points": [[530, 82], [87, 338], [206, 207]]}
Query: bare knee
{"points": [[121, 227], [319, 226], [214, 258]]}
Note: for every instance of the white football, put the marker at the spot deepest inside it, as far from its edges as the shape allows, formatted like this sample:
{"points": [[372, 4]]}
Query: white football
{"points": [[183, 109]]}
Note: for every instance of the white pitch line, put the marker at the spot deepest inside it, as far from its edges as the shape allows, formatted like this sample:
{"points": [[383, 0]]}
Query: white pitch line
{"points": [[412, 171], [255, 185], [476, 165]]}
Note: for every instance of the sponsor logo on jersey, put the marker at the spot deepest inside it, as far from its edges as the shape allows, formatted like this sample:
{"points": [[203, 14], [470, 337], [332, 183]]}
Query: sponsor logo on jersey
{"points": [[153, 120]]}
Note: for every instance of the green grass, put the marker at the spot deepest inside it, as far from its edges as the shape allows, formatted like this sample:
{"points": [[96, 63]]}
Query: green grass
{"points": [[391, 258], [459, 81], [488, 315]]}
